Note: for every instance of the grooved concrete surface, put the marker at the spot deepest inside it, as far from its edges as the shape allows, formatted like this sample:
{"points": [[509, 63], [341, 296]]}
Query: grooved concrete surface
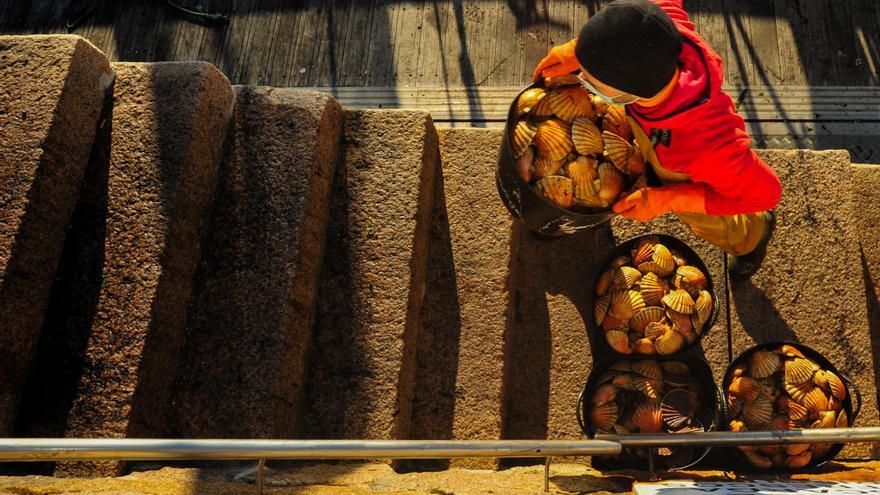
{"points": [[374, 278], [169, 124], [250, 323], [52, 90], [811, 288]]}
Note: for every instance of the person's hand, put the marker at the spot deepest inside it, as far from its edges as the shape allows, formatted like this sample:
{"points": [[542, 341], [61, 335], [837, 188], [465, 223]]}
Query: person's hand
{"points": [[561, 60], [650, 202]]}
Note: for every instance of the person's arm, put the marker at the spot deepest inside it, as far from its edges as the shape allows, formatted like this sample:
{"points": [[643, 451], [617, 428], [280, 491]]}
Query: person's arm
{"points": [[737, 180]]}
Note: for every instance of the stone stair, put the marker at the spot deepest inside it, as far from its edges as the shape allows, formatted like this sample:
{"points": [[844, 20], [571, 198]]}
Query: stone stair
{"points": [[184, 258]]}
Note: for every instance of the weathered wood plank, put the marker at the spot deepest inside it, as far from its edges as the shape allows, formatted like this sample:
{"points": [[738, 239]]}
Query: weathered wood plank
{"points": [[815, 45], [764, 42], [788, 31], [738, 64]]}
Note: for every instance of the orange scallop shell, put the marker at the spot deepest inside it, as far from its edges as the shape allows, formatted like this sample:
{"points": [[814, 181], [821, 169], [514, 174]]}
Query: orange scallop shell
{"points": [[758, 413], [557, 189], [619, 341], [648, 386], [600, 308], [799, 461], [525, 164], [827, 419], [553, 139], [838, 389], [528, 99], [681, 323], [541, 109], [758, 460], [703, 306], [644, 346], [796, 448], [842, 420], [790, 351], [605, 415], [647, 417], [648, 315], [679, 301], [745, 388], [644, 250], [587, 137], [600, 106], [620, 261], [669, 343], [815, 400], [734, 405], [625, 304], [820, 450], [604, 393], [615, 121], [652, 288], [782, 422], [610, 182], [690, 278], [604, 282], [571, 103], [798, 392], [617, 150], [624, 277], [799, 370], [648, 368], [523, 134], [661, 262], [763, 363], [545, 167], [655, 330], [612, 323], [583, 173], [561, 80], [635, 165]]}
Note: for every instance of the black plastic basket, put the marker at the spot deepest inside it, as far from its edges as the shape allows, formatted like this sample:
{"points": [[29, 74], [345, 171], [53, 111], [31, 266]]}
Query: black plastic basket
{"points": [[629, 459], [538, 213], [624, 248], [851, 388]]}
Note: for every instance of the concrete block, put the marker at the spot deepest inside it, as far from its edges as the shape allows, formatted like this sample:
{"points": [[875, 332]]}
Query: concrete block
{"points": [[52, 90], [170, 121], [811, 288], [374, 278], [250, 321]]}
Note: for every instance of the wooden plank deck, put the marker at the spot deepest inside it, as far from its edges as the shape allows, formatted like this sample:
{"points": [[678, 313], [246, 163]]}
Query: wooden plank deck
{"points": [[456, 43]]}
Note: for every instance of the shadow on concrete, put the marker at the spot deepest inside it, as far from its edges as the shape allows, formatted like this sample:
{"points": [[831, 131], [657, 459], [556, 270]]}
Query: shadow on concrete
{"points": [[766, 325], [873, 309]]}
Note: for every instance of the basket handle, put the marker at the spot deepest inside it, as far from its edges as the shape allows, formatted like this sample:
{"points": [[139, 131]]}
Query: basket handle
{"points": [[580, 407], [858, 396]]}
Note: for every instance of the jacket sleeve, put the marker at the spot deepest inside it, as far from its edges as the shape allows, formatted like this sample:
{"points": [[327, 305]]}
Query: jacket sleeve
{"points": [[737, 180], [675, 10]]}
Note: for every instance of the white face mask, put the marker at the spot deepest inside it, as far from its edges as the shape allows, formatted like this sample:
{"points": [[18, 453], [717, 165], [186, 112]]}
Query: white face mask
{"points": [[610, 99]]}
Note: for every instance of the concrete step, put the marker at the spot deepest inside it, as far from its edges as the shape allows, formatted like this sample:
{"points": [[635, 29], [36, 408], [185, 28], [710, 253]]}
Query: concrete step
{"points": [[52, 92], [249, 331], [167, 131], [373, 281]]}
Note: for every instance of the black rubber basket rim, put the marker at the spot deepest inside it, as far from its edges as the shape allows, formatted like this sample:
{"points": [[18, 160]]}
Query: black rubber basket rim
{"points": [[852, 390], [624, 248], [606, 362], [596, 218]]}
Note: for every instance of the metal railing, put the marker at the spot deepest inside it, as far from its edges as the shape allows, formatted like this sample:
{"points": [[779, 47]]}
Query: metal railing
{"points": [[136, 449]]}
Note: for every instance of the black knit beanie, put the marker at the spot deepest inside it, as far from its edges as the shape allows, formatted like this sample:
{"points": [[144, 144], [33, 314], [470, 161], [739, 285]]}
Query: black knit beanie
{"points": [[631, 45]]}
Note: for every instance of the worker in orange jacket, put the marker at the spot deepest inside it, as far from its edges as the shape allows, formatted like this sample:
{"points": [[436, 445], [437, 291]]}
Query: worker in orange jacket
{"points": [[646, 55]]}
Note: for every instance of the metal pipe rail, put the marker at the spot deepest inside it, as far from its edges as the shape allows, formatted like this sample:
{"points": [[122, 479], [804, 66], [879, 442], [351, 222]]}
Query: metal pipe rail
{"points": [[730, 439], [136, 449]]}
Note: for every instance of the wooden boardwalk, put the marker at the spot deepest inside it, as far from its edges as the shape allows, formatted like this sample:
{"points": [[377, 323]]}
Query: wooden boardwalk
{"points": [[456, 43]]}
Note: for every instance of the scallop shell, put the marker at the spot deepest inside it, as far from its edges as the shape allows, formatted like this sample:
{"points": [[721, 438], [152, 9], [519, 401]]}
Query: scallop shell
{"points": [[644, 346], [619, 341], [758, 460], [604, 416], [523, 134], [647, 417], [600, 106], [815, 400], [583, 174], [604, 282], [644, 250], [615, 121], [557, 189], [571, 103], [617, 150], [669, 343], [835, 404], [648, 386], [587, 137], [610, 182], [790, 351], [679, 258], [799, 370], [679, 301], [661, 262], [758, 413], [612, 323], [681, 323], [525, 164], [734, 405], [796, 448], [655, 330], [545, 167], [624, 277], [604, 393], [838, 389], [745, 388], [635, 165], [678, 407], [798, 392], [795, 410], [648, 315], [625, 304], [827, 419], [528, 99], [649, 369], [739, 370], [652, 289], [553, 139], [842, 420], [561, 80], [620, 261], [600, 308], [782, 422], [820, 450], [541, 109], [799, 461], [703, 305], [763, 363], [690, 278]]}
